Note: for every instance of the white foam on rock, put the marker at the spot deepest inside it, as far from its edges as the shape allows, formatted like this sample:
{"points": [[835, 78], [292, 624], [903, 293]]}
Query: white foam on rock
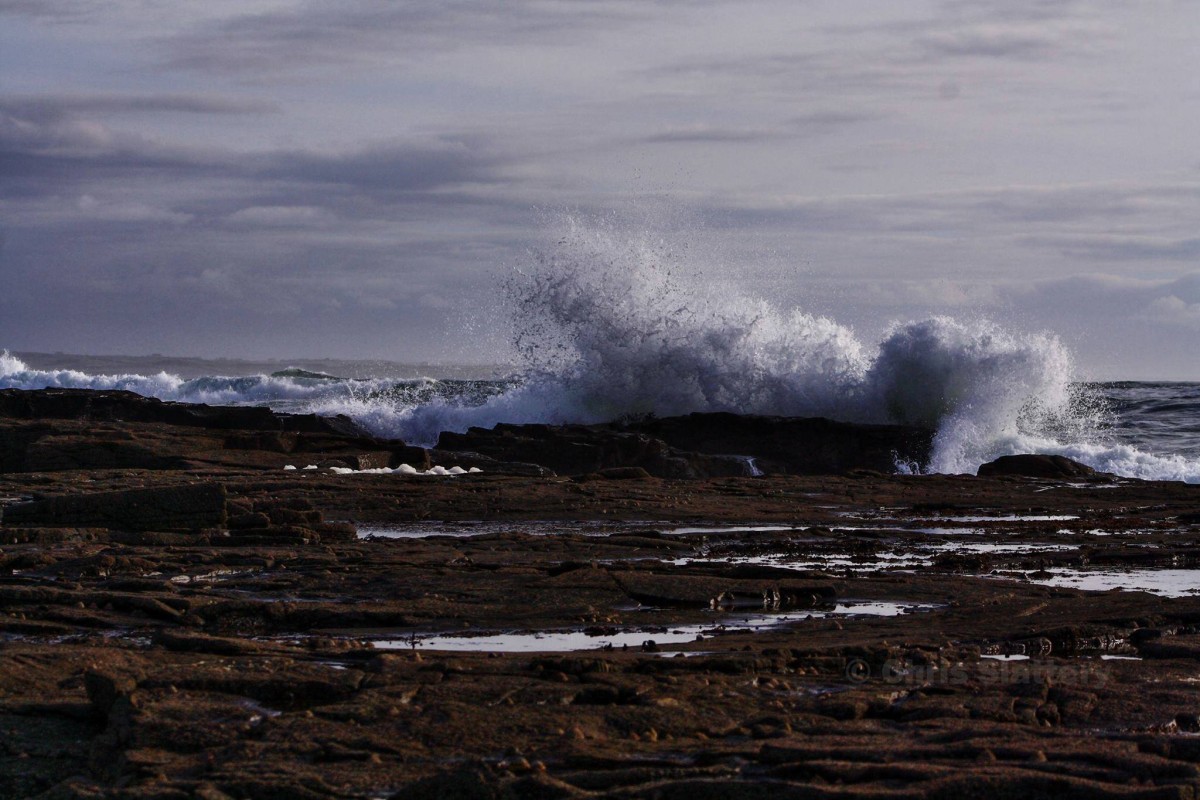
{"points": [[403, 469]]}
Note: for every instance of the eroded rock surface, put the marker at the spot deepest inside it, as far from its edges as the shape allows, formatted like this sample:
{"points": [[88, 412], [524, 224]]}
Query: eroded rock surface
{"points": [[702, 446], [840, 636], [1036, 466]]}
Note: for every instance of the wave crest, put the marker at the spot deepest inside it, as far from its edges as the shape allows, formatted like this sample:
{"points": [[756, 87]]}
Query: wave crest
{"points": [[611, 320]]}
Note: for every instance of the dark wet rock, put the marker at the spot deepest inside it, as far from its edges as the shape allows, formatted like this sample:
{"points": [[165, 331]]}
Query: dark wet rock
{"points": [[192, 642], [1186, 647], [104, 690], [186, 507], [609, 696], [250, 662], [273, 536], [582, 449], [163, 538], [293, 516], [791, 445], [701, 445], [336, 531], [1187, 723], [95, 451], [296, 503], [116, 405], [273, 441], [67, 429], [1036, 466], [1142, 635], [415, 457], [249, 521], [725, 593], [381, 459], [617, 474], [48, 536], [489, 465]]}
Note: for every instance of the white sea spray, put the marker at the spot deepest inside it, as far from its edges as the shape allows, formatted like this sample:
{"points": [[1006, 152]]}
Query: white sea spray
{"points": [[610, 319]]}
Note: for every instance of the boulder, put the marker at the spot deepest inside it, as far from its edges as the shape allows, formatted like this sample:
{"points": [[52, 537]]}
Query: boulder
{"points": [[415, 457], [1036, 466]]}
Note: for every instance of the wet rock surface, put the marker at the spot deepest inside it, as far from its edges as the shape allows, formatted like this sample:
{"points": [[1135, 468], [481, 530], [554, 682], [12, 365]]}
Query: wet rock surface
{"points": [[702, 446], [1037, 466], [781, 636]]}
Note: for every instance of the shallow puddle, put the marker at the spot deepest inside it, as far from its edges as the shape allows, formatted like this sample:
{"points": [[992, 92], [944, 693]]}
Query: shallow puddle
{"points": [[214, 576], [1010, 518], [734, 529], [546, 641], [1001, 547], [1165, 582], [422, 530], [551, 641]]}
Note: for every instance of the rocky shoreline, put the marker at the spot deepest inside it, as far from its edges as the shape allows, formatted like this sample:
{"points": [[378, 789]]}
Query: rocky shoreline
{"points": [[620, 611]]}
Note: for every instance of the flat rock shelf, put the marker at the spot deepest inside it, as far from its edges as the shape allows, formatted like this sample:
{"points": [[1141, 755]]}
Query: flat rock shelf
{"points": [[181, 617]]}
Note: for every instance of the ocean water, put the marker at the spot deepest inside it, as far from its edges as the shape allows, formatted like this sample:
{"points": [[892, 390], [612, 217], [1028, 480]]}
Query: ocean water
{"points": [[610, 322]]}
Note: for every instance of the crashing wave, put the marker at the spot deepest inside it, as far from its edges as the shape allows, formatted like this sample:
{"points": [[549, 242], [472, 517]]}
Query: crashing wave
{"points": [[610, 322]]}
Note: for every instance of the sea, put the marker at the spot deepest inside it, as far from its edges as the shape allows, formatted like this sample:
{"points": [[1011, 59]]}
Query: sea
{"points": [[1148, 430], [604, 324]]}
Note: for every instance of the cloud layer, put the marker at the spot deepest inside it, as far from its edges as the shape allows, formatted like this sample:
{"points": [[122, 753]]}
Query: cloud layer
{"points": [[294, 178]]}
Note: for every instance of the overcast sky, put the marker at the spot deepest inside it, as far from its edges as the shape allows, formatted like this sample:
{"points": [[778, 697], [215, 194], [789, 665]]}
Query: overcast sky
{"points": [[285, 179]]}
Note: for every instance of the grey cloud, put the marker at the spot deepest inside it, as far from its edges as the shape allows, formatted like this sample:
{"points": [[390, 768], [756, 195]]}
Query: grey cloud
{"points": [[50, 10], [56, 106], [828, 73], [48, 150], [1124, 304], [117, 219], [1017, 210], [1025, 10], [103, 220], [43, 154], [188, 290], [832, 119], [816, 123], [49, 142], [1024, 44], [708, 134], [359, 30], [756, 65], [1108, 247], [389, 168]]}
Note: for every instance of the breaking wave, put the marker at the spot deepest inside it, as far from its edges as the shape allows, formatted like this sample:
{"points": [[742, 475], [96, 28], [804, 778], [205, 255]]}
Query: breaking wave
{"points": [[609, 321]]}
